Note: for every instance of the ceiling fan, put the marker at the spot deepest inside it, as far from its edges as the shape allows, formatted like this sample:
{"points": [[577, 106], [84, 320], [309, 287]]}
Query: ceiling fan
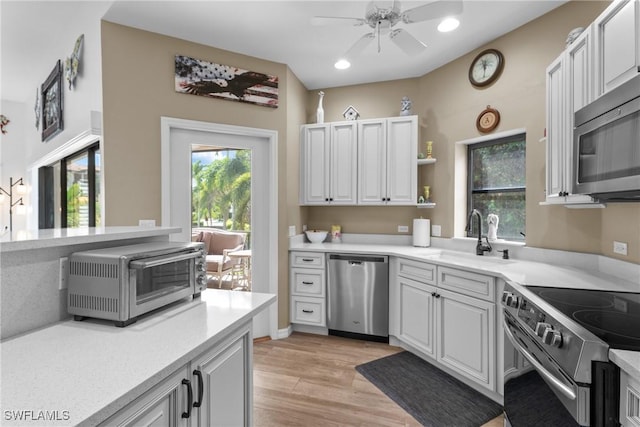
{"points": [[382, 17]]}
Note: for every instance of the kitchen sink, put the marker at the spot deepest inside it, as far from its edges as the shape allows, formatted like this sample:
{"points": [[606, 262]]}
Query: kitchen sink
{"points": [[462, 257]]}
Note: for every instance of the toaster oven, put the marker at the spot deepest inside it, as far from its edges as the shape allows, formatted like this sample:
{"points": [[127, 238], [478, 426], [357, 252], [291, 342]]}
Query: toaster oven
{"points": [[124, 282]]}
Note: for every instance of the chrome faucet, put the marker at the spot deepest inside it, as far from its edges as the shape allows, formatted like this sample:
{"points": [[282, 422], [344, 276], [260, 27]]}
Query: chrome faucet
{"points": [[481, 248]]}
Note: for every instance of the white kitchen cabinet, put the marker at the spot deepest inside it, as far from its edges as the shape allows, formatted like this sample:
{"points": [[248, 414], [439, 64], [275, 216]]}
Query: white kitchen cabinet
{"points": [[307, 286], [328, 166], [163, 405], [629, 400], [449, 315], [416, 317], [465, 330], [213, 389], [225, 375], [569, 88], [387, 161], [617, 44]]}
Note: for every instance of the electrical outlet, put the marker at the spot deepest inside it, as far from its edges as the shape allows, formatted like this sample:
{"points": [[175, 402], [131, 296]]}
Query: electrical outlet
{"points": [[619, 248], [436, 230], [147, 223], [403, 229], [62, 277], [292, 230]]}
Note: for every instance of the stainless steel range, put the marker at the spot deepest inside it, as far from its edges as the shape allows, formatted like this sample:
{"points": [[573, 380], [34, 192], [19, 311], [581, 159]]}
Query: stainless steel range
{"points": [[563, 337]]}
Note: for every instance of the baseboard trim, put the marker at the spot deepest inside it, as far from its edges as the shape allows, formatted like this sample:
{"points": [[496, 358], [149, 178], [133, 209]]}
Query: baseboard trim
{"points": [[284, 333]]}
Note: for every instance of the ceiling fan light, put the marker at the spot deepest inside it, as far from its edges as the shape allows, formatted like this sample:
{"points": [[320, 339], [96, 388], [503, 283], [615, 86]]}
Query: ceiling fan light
{"points": [[448, 24], [342, 64]]}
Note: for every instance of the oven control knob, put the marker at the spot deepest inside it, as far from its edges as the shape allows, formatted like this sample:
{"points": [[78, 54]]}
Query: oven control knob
{"points": [[201, 266], [200, 280], [552, 338], [506, 296], [541, 328], [513, 301]]}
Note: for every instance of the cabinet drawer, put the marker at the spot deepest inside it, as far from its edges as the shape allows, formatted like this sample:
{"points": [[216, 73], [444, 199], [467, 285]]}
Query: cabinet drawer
{"points": [[467, 283], [416, 270], [307, 282], [307, 259], [308, 310]]}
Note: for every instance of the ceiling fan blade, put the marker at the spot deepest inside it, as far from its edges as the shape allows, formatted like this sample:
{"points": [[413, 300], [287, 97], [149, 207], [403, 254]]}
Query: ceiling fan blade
{"points": [[359, 46], [336, 20], [435, 10], [405, 41]]}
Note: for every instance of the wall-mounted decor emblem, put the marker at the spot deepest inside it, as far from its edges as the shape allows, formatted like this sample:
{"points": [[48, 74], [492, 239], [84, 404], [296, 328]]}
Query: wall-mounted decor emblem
{"points": [[37, 108], [198, 77], [72, 63], [51, 99], [4, 121]]}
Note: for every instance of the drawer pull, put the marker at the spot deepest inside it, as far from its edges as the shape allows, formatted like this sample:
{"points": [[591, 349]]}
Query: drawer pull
{"points": [[307, 259], [307, 311], [307, 283]]}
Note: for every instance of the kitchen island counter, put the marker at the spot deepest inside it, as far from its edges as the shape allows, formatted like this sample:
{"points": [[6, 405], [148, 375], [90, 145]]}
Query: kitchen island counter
{"points": [[84, 372]]}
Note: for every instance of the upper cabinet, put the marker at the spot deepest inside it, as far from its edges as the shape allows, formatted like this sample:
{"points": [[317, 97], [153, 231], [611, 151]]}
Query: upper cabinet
{"points": [[617, 44], [569, 88], [364, 162], [328, 166], [605, 55]]}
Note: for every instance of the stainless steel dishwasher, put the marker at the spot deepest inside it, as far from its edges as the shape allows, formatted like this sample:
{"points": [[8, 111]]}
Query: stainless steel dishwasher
{"points": [[358, 296]]}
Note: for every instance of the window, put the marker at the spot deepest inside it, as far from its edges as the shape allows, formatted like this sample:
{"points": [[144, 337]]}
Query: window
{"points": [[496, 184], [69, 191]]}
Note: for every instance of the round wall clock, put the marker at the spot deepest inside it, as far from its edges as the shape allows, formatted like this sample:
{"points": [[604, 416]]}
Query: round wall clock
{"points": [[488, 119], [486, 67]]}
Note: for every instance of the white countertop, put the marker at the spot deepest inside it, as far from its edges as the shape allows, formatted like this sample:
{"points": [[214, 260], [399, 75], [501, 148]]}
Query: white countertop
{"points": [[92, 368], [46, 238], [514, 270]]}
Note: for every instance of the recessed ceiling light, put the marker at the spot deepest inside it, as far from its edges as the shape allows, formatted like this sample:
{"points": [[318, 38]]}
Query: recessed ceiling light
{"points": [[448, 24], [342, 64]]}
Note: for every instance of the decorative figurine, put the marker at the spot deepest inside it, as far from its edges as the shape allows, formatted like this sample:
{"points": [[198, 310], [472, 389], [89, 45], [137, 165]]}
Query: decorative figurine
{"points": [[72, 63], [427, 194], [320, 110], [493, 221], [429, 149], [4, 121], [405, 106], [351, 113]]}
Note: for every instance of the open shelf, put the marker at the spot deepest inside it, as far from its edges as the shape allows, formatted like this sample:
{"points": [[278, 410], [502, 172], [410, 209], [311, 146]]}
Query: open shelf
{"points": [[426, 161]]}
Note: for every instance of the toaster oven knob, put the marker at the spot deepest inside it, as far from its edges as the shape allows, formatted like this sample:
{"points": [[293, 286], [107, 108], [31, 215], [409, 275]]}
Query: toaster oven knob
{"points": [[200, 280], [541, 328], [201, 266]]}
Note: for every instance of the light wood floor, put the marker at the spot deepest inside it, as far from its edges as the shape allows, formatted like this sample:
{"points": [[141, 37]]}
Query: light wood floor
{"points": [[310, 380]]}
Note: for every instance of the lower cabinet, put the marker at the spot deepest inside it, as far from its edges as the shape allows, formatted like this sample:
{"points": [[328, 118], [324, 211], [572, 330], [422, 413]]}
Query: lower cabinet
{"points": [[213, 389], [455, 329]]}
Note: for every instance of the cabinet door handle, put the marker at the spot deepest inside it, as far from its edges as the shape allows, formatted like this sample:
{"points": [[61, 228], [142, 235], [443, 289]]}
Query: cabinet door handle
{"points": [[189, 398], [307, 311], [307, 283], [198, 374]]}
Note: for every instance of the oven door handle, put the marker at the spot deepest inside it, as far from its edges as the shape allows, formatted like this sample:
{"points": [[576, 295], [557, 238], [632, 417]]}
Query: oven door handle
{"points": [[160, 260], [562, 387]]}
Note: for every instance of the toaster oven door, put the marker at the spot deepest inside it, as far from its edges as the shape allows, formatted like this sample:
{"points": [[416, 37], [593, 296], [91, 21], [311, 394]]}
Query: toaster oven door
{"points": [[158, 281]]}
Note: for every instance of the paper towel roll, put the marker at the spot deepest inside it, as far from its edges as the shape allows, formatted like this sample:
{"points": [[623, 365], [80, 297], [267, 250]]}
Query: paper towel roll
{"points": [[421, 232]]}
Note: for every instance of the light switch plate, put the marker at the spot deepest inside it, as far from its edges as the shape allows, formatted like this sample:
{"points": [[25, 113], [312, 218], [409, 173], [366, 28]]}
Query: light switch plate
{"points": [[292, 230]]}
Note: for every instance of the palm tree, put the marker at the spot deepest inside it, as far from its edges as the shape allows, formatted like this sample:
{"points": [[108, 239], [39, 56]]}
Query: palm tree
{"points": [[222, 187]]}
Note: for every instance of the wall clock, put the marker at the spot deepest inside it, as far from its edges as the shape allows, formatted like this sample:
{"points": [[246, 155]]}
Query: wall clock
{"points": [[486, 67], [488, 119]]}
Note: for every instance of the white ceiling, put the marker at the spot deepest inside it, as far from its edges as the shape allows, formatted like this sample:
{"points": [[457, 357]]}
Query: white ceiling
{"points": [[280, 31]]}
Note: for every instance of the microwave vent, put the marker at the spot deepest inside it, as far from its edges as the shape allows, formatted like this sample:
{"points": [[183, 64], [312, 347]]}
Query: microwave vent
{"points": [[90, 302], [93, 269]]}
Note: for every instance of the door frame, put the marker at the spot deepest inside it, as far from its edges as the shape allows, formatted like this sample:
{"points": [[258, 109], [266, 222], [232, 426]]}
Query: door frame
{"points": [[271, 231]]}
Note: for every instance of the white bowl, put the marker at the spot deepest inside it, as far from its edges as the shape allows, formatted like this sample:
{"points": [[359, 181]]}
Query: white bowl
{"points": [[316, 236]]}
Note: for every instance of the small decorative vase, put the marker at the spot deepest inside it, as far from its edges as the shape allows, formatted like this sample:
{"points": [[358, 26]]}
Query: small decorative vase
{"points": [[320, 110], [427, 194], [429, 149]]}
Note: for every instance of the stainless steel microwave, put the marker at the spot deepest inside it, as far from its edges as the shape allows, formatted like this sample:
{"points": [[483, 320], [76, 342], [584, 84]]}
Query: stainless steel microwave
{"points": [[606, 145], [124, 282]]}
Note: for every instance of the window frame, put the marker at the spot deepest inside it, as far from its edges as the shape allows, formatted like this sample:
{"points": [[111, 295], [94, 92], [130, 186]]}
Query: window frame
{"points": [[91, 176], [513, 138]]}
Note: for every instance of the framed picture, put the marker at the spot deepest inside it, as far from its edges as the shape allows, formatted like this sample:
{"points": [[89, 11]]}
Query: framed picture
{"points": [[51, 101], [204, 78]]}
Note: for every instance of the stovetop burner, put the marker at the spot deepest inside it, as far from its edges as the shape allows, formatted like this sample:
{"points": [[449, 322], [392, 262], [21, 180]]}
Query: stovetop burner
{"points": [[614, 317]]}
